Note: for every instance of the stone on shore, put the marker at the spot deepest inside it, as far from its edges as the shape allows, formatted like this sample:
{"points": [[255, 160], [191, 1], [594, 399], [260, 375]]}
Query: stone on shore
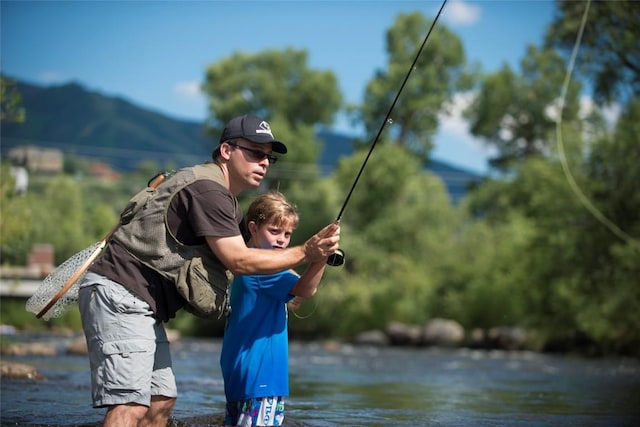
{"points": [[30, 349], [404, 334], [19, 371], [375, 338], [443, 333]]}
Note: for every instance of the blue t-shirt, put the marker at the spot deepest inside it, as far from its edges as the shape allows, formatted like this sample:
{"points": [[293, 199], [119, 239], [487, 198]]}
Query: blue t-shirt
{"points": [[255, 347]]}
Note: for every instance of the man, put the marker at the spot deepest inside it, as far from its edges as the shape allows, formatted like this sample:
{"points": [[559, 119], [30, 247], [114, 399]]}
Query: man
{"points": [[192, 220]]}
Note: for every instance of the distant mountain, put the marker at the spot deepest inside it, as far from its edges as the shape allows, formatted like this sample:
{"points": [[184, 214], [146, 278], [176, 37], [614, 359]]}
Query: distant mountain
{"points": [[108, 129], [115, 131]]}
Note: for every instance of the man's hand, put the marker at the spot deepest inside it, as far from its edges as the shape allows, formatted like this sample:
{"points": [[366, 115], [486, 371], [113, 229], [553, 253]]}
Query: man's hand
{"points": [[323, 243]]}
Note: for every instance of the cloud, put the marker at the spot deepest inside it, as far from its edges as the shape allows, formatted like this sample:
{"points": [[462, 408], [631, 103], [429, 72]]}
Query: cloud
{"points": [[50, 77], [189, 89], [456, 126], [610, 112], [459, 12], [455, 140], [453, 122]]}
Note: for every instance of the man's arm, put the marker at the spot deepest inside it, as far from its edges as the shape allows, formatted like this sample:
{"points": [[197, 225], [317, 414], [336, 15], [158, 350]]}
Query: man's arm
{"points": [[239, 259]]}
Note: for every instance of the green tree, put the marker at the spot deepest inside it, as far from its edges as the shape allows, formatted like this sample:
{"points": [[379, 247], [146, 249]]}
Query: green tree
{"points": [[480, 276], [540, 219], [60, 216], [439, 73], [607, 268], [279, 87], [609, 54], [397, 210], [271, 83], [516, 113], [10, 101], [16, 217]]}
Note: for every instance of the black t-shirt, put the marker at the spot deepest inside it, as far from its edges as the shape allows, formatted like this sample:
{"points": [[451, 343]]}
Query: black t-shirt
{"points": [[203, 208]]}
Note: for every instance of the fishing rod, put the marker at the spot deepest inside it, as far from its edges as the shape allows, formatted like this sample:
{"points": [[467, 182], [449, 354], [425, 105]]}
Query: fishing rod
{"points": [[337, 258]]}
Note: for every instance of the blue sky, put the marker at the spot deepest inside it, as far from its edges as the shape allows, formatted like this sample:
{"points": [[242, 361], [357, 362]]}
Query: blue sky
{"points": [[154, 53]]}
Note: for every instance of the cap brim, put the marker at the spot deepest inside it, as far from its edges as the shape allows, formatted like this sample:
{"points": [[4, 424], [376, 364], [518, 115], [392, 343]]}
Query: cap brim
{"points": [[279, 147]]}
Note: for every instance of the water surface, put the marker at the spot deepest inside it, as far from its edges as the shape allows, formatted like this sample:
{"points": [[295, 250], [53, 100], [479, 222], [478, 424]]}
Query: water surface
{"points": [[365, 386]]}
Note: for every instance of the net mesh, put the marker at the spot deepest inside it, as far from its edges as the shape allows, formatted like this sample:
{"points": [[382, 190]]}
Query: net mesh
{"points": [[52, 284]]}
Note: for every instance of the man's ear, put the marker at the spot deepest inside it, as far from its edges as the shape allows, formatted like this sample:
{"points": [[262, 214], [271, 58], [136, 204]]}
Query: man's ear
{"points": [[225, 150]]}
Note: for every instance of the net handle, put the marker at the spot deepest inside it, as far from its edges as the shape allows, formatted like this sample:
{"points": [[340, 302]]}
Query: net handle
{"points": [[83, 268]]}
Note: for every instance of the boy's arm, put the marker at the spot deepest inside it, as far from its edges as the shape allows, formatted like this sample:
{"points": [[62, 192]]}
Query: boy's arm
{"points": [[307, 285]]}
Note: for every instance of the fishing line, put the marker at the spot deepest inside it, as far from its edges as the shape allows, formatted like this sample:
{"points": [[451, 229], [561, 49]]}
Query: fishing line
{"points": [[305, 316], [563, 160], [338, 257]]}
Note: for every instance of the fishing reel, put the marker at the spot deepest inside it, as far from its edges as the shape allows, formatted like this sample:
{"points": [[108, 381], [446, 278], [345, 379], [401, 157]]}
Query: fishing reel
{"points": [[336, 259]]}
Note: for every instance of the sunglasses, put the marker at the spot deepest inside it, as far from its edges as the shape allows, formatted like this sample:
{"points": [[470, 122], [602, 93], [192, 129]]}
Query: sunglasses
{"points": [[255, 155]]}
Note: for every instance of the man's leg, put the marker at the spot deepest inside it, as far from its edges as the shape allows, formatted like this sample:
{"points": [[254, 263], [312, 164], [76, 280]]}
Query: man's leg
{"points": [[163, 383], [127, 415], [159, 412]]}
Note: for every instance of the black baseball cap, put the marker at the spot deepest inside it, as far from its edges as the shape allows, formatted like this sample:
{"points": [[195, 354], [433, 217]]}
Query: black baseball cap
{"points": [[254, 129]]}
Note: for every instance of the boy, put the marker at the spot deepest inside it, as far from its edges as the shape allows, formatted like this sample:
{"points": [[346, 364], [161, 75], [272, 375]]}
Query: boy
{"points": [[254, 358]]}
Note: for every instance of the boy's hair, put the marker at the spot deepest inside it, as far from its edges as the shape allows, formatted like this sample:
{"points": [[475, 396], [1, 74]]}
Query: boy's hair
{"points": [[272, 207]]}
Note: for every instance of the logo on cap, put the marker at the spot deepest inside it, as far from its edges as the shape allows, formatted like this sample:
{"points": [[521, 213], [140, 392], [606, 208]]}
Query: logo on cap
{"points": [[264, 128]]}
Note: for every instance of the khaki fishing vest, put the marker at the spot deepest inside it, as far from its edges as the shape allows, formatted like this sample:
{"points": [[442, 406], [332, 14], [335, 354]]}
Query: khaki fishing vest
{"points": [[198, 275]]}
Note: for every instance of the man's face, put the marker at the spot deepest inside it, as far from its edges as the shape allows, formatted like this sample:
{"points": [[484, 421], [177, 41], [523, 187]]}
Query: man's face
{"points": [[249, 161]]}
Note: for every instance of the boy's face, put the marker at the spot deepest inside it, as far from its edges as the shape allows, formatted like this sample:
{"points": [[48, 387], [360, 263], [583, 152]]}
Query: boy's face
{"points": [[270, 235]]}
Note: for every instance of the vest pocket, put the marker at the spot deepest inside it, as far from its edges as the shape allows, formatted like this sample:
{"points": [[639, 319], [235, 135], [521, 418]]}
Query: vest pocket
{"points": [[205, 286]]}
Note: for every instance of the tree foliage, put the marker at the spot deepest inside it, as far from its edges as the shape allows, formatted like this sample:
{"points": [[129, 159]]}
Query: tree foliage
{"points": [[516, 113], [10, 101], [609, 54], [61, 213], [607, 267], [439, 72], [271, 83], [576, 271], [279, 87]]}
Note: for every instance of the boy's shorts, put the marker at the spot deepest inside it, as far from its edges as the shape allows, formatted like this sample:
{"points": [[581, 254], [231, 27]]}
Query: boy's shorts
{"points": [[260, 411], [128, 350]]}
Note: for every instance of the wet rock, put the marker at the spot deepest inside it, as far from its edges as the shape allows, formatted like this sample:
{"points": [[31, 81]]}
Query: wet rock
{"points": [[376, 338], [19, 371], [331, 345], [442, 332], [7, 330], [173, 335], [78, 347], [477, 339], [198, 421], [404, 334], [507, 338], [30, 349]]}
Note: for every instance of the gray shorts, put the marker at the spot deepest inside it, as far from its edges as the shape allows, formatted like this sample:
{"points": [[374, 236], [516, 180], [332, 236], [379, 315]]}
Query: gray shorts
{"points": [[128, 350]]}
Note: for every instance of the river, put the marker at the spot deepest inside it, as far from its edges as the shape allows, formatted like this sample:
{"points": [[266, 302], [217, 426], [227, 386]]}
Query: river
{"points": [[344, 385]]}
